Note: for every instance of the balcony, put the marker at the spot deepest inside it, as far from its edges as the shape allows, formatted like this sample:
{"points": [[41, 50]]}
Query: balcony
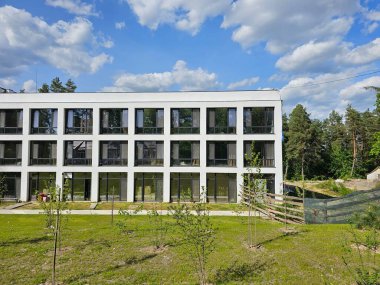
{"points": [[11, 121], [221, 120], [185, 162], [184, 153], [149, 121], [44, 121], [113, 161], [265, 150], [113, 130], [114, 121], [78, 153], [185, 121], [10, 130], [221, 130], [150, 130], [43, 161], [78, 161], [44, 130], [221, 162], [10, 161], [221, 154], [149, 162], [259, 120], [78, 121], [185, 130], [10, 153], [43, 153]]}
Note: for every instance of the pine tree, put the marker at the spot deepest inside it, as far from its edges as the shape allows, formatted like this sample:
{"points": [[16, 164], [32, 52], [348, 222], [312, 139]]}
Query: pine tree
{"points": [[70, 86], [353, 122], [56, 86], [44, 88]]}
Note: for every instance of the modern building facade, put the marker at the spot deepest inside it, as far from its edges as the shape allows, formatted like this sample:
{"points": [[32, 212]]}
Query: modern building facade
{"points": [[139, 146]]}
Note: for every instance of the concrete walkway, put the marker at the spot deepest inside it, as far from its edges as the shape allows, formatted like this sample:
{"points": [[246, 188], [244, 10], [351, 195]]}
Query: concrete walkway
{"points": [[108, 212]]}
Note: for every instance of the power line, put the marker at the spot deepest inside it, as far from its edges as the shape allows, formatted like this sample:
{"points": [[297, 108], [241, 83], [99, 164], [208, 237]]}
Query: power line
{"points": [[332, 81]]}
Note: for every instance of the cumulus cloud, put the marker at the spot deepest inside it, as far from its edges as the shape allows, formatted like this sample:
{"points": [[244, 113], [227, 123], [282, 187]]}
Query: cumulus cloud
{"points": [[183, 14], [29, 86], [290, 23], [8, 82], [328, 56], [357, 89], [76, 7], [180, 76], [243, 83], [120, 25], [28, 40]]}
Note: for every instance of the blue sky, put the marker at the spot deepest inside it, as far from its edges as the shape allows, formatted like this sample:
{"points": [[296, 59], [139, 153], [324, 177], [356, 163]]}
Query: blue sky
{"points": [[295, 46]]}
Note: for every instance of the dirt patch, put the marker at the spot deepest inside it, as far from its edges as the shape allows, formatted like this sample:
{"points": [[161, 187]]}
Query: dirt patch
{"points": [[289, 231], [362, 247], [255, 247], [59, 252], [154, 249]]}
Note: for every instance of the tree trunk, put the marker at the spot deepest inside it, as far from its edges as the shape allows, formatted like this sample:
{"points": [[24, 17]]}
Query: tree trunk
{"points": [[302, 166], [354, 153]]}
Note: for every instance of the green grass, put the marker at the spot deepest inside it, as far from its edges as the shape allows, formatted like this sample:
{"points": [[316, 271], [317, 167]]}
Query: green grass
{"points": [[96, 253], [337, 188]]}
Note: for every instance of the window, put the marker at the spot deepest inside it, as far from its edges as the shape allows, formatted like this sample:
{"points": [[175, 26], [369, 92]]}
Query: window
{"points": [[78, 121], [259, 120], [185, 153], [10, 153], [149, 153], [113, 153], [221, 153], [43, 153], [149, 121], [221, 120], [113, 185], [265, 149], [184, 187], [148, 187], [44, 121], [11, 121], [12, 183], [78, 153], [221, 187], [114, 121], [39, 181], [185, 121], [79, 184], [267, 179]]}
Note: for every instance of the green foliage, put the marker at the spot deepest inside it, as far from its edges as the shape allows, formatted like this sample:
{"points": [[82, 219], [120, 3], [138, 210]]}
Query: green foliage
{"points": [[56, 86], [158, 227], [197, 233], [124, 225], [335, 187], [44, 88], [370, 219], [375, 149], [3, 186]]}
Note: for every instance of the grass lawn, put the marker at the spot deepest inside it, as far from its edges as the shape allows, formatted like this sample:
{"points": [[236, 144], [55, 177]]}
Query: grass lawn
{"points": [[93, 252]]}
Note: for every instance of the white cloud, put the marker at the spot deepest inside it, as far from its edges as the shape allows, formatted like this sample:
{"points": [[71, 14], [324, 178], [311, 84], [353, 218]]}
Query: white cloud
{"points": [[373, 15], [29, 86], [286, 24], [357, 89], [76, 7], [8, 82], [183, 14], [27, 40], [243, 83], [120, 25], [180, 76], [328, 56]]}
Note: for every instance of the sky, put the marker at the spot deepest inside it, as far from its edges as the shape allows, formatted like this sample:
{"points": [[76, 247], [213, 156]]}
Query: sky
{"points": [[319, 53]]}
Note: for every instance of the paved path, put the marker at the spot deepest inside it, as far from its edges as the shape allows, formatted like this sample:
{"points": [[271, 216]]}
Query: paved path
{"points": [[108, 212]]}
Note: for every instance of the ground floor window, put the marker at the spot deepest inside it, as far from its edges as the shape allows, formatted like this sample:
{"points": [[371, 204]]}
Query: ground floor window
{"points": [[38, 181], [221, 187], [113, 184], [184, 187], [79, 184], [148, 187], [11, 182], [267, 180]]}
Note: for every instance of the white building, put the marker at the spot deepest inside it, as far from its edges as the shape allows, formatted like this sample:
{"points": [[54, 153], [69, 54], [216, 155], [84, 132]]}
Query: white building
{"points": [[143, 146]]}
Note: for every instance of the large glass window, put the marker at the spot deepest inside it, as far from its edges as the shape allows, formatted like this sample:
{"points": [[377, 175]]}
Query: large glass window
{"points": [[149, 153], [44, 121], [114, 121], [185, 121], [78, 121], [43, 153], [113, 184], [11, 121], [10, 152], [221, 153], [12, 185], [185, 153], [184, 187], [221, 120], [259, 120], [113, 153], [221, 187], [79, 185], [265, 149], [39, 181], [148, 187], [149, 121], [78, 153], [267, 180]]}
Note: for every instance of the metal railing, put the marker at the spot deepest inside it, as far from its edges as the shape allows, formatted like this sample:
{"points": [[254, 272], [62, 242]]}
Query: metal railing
{"points": [[44, 130], [113, 161], [10, 161], [149, 162], [78, 161], [149, 130], [185, 162], [259, 130], [10, 130], [221, 162], [185, 130], [43, 161], [221, 130], [113, 130], [264, 162], [78, 130]]}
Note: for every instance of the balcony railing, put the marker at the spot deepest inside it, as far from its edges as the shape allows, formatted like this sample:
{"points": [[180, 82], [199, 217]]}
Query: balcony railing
{"points": [[185, 162], [78, 130], [78, 161], [113, 130], [43, 161], [149, 162], [149, 130], [259, 130], [185, 130], [221, 162], [113, 161], [10, 130], [264, 162], [44, 130], [10, 161], [221, 130]]}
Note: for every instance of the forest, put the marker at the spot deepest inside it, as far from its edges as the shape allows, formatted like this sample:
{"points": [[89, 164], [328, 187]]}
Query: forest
{"points": [[339, 146]]}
